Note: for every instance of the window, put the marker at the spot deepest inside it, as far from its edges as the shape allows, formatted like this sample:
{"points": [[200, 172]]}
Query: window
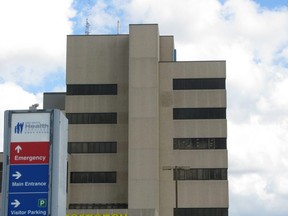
{"points": [[92, 118], [201, 174], [93, 177], [98, 206], [92, 89], [199, 113], [1, 171], [201, 211], [92, 147], [199, 143], [198, 83]]}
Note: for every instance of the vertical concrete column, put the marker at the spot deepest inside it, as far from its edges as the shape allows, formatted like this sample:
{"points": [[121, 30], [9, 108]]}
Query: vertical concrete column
{"points": [[143, 175]]}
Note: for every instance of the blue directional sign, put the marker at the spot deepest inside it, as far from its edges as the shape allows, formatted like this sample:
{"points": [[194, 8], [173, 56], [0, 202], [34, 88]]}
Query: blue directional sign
{"points": [[29, 178], [32, 140], [25, 204]]}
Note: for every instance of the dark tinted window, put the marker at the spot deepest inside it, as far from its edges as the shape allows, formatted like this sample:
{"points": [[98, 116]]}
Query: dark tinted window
{"points": [[199, 143], [201, 174], [1, 171], [199, 113], [92, 147], [93, 177], [200, 83], [201, 211], [98, 206], [92, 89], [92, 118]]}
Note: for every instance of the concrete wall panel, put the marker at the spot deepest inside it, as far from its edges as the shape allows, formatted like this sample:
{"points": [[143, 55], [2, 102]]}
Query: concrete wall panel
{"points": [[97, 59]]}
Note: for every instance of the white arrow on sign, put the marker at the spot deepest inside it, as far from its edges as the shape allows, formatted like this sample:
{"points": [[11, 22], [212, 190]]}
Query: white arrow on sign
{"points": [[18, 149], [16, 203], [17, 175]]}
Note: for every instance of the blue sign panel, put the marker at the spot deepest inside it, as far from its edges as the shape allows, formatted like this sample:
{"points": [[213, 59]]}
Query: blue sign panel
{"points": [[28, 204], [28, 178]]}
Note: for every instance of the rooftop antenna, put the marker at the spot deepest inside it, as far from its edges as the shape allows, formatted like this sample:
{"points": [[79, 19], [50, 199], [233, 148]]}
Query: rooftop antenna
{"points": [[118, 27], [87, 24], [87, 27]]}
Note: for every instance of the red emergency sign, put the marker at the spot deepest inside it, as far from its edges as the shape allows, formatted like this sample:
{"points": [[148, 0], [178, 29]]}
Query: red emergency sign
{"points": [[29, 153]]}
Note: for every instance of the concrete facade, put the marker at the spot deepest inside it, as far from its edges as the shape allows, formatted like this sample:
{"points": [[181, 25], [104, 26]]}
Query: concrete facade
{"points": [[143, 67], [82, 58], [192, 194]]}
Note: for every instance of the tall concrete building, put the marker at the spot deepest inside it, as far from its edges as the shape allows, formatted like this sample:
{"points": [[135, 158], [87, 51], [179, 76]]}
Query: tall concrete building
{"points": [[147, 134]]}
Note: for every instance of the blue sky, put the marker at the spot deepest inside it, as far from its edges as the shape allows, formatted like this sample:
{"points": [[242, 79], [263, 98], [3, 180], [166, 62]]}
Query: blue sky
{"points": [[252, 36], [272, 4]]}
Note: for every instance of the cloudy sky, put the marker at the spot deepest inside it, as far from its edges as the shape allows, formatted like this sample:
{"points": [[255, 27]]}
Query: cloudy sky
{"points": [[251, 35]]}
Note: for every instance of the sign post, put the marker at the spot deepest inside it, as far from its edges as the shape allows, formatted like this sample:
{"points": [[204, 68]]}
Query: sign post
{"points": [[35, 163]]}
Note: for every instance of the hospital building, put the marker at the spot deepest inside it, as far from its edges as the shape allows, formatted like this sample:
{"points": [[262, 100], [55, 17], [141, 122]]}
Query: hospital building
{"points": [[147, 134]]}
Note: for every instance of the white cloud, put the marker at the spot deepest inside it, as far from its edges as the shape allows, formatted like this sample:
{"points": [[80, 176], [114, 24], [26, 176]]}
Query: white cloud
{"points": [[258, 160], [261, 28], [33, 39], [14, 97], [32, 49], [101, 19], [102, 16]]}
